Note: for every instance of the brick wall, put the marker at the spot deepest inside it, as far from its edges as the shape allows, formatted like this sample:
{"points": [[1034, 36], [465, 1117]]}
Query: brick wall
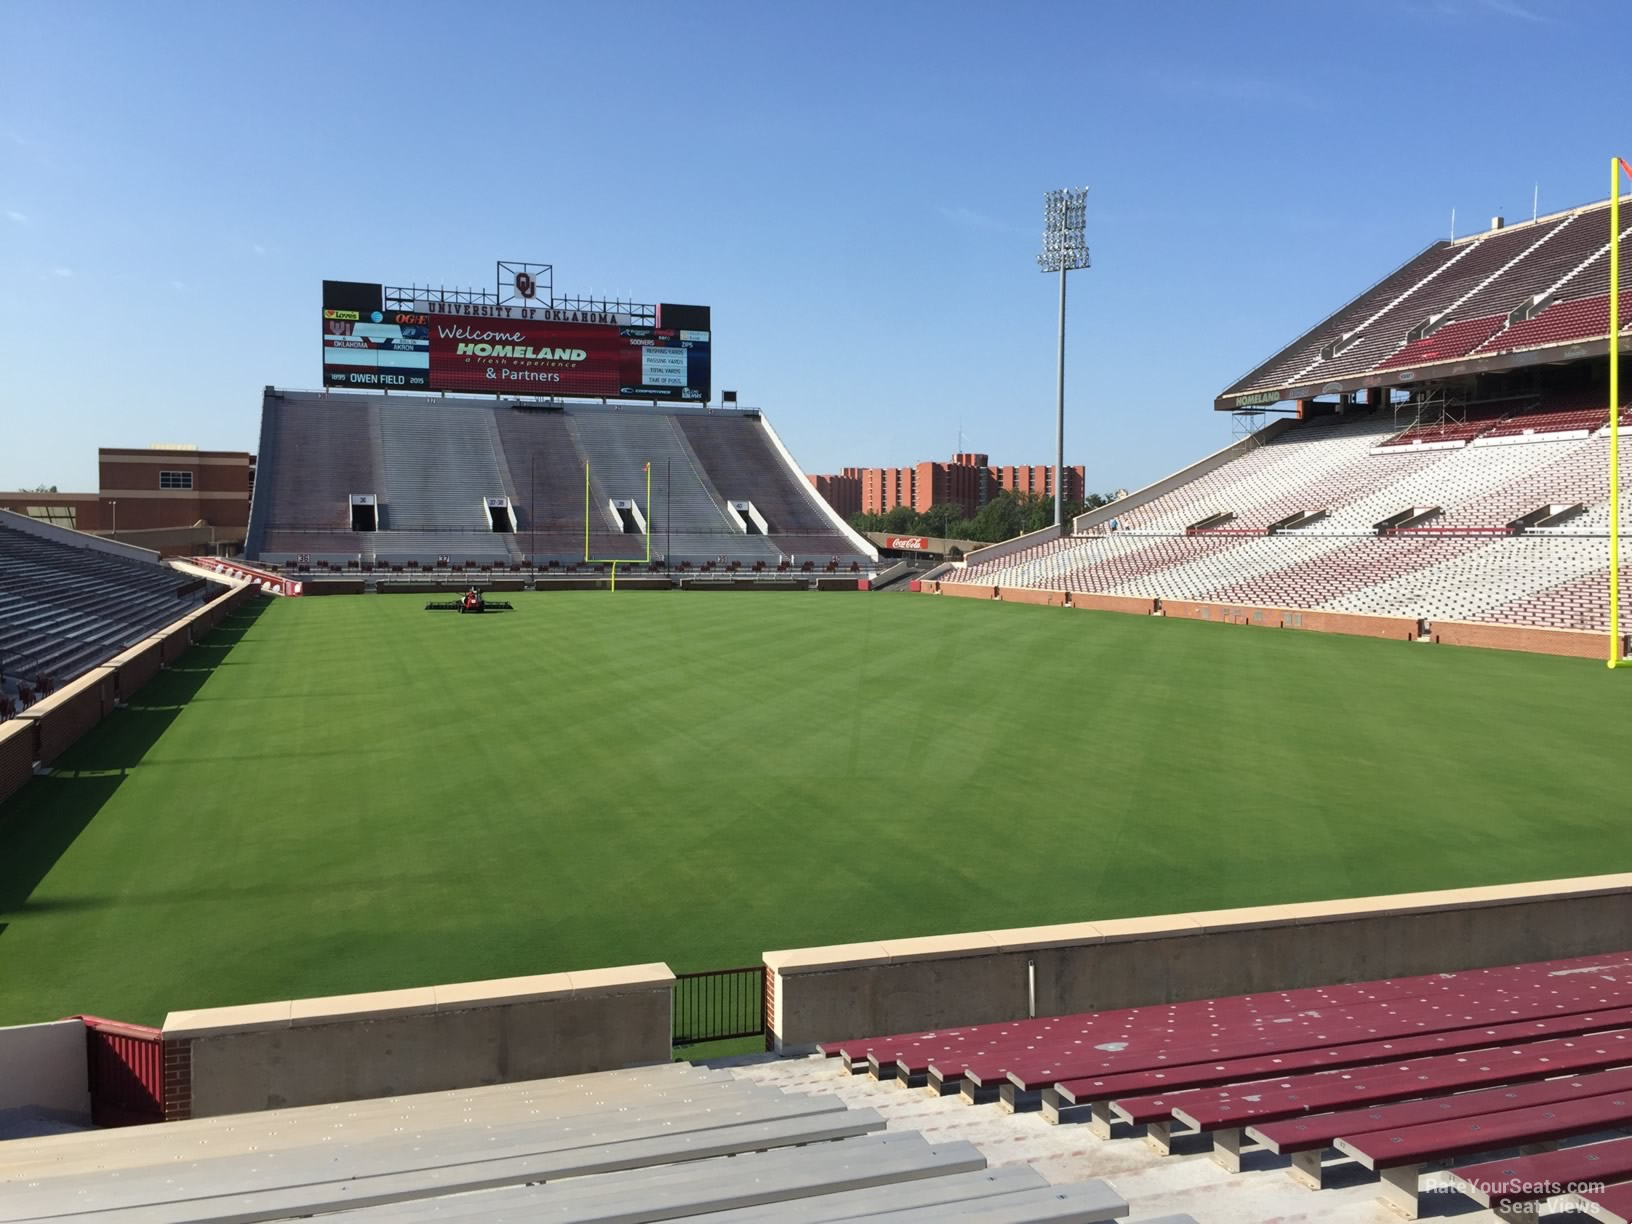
{"points": [[1353, 624], [965, 590], [1112, 603], [1027, 595], [16, 756], [135, 667], [67, 714], [178, 1080], [1573, 642], [173, 643]]}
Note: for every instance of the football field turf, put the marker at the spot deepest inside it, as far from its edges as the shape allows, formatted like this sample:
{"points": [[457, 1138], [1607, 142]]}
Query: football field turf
{"points": [[347, 794]]}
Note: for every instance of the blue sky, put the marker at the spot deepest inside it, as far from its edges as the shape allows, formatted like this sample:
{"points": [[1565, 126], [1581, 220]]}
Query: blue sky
{"points": [[855, 188]]}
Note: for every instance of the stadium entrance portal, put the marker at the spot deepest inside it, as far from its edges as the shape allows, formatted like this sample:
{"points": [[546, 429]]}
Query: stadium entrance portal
{"points": [[500, 516], [745, 516], [365, 512], [629, 518]]}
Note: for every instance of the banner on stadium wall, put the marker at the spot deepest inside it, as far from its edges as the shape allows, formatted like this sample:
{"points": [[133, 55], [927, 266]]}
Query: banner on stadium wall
{"points": [[507, 350], [919, 543]]}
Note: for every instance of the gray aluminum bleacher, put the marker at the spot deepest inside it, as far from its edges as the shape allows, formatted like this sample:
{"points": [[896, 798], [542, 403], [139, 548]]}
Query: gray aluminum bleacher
{"points": [[432, 461], [438, 463], [662, 1142], [688, 518], [389, 546], [548, 473], [745, 466], [315, 452], [65, 607]]}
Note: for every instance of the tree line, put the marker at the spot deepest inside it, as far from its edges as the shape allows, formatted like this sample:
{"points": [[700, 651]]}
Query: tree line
{"points": [[1007, 515]]}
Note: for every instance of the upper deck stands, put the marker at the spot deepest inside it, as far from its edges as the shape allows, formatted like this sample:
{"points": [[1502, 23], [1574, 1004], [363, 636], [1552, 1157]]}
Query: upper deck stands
{"points": [[1472, 285]]}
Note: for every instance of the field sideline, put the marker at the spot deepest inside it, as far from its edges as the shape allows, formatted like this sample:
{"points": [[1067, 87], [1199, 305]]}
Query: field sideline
{"points": [[347, 794]]}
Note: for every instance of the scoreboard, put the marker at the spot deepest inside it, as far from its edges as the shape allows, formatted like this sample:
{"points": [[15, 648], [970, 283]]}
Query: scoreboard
{"points": [[476, 348]]}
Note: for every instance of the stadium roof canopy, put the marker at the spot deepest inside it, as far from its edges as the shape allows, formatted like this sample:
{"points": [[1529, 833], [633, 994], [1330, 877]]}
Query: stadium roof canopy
{"points": [[1510, 297]]}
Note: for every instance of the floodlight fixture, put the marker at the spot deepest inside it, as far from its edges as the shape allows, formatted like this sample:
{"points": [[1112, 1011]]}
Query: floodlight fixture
{"points": [[1065, 249]]}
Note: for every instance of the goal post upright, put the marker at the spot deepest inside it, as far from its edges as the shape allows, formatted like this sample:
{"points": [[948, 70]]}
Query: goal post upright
{"points": [[1617, 167], [616, 561]]}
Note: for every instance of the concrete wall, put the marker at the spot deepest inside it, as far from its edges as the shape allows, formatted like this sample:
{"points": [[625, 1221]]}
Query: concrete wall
{"points": [[44, 1071], [333, 586], [355, 1047], [908, 985]]}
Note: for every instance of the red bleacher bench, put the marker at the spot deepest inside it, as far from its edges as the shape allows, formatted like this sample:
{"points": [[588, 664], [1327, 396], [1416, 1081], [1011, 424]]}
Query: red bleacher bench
{"points": [[1105, 1098], [1506, 1185], [1611, 1205], [1304, 1139], [1399, 1155], [1031, 1071], [1222, 1113]]}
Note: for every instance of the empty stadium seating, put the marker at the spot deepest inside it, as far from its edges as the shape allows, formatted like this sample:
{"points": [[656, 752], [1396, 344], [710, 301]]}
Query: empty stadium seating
{"points": [[1395, 1074], [432, 463], [655, 1143], [1461, 560], [1508, 290], [66, 606]]}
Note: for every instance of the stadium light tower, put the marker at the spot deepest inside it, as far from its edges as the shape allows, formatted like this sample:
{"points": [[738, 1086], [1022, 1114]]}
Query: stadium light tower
{"points": [[1065, 216]]}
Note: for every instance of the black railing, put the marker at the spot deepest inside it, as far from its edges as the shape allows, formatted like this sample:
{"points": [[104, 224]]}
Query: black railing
{"points": [[718, 1004]]}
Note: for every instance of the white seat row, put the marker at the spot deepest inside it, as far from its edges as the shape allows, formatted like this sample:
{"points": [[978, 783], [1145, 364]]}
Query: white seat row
{"points": [[655, 1143]]}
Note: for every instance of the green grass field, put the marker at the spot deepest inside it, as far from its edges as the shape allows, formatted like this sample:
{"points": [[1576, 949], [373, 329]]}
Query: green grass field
{"points": [[346, 794]]}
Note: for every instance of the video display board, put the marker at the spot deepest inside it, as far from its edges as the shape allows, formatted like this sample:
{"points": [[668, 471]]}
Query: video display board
{"points": [[512, 350]]}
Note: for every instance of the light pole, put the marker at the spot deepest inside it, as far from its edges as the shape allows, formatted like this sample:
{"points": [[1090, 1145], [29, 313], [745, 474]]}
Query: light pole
{"points": [[115, 506], [1065, 215]]}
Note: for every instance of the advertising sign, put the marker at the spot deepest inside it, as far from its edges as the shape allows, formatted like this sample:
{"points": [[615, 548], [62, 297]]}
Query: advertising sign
{"points": [[513, 350]]}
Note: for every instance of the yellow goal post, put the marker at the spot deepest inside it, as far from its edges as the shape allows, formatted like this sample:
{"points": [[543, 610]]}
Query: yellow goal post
{"points": [[1617, 168]]}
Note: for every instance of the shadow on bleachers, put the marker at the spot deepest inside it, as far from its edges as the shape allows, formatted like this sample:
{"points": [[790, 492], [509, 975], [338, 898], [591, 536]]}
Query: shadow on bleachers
{"points": [[40, 822]]}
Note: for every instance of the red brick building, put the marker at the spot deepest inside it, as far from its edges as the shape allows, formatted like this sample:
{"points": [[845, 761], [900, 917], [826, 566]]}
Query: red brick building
{"points": [[842, 492], [151, 490], [969, 481], [175, 486]]}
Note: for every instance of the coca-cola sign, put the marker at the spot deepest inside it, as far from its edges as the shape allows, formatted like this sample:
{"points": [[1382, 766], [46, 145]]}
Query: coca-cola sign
{"points": [[912, 543]]}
